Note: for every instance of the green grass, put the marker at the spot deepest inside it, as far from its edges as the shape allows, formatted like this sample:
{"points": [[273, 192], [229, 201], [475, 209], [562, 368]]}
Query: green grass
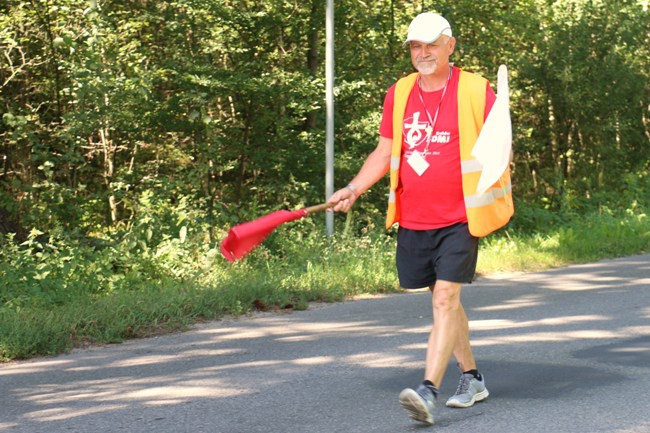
{"points": [[589, 239], [58, 294]]}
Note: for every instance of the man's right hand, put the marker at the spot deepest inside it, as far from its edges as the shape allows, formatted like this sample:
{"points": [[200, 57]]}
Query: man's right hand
{"points": [[344, 199]]}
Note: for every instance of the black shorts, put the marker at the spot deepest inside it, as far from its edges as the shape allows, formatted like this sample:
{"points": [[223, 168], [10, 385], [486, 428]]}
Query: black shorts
{"points": [[425, 256]]}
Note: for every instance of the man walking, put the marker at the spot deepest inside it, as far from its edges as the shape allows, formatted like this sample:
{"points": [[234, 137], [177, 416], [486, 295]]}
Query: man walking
{"points": [[431, 121]]}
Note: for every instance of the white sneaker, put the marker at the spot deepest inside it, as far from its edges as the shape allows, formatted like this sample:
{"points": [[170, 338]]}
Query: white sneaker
{"points": [[470, 390], [419, 403]]}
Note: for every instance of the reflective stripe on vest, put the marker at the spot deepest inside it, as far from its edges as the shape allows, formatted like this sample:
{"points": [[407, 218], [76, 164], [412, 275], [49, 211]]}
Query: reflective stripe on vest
{"points": [[488, 197], [478, 200], [402, 91], [470, 166]]}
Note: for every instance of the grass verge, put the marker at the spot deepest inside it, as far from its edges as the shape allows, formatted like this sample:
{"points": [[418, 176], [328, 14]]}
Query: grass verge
{"points": [[57, 296]]}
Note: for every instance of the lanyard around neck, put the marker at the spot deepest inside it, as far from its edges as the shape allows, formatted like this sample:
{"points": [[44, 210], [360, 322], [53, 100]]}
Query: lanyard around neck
{"points": [[432, 121]]}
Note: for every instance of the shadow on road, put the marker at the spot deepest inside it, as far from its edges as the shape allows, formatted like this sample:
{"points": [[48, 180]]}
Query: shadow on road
{"points": [[570, 332]]}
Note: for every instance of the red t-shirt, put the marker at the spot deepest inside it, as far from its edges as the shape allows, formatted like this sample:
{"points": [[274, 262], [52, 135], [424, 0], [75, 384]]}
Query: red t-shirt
{"points": [[435, 198]]}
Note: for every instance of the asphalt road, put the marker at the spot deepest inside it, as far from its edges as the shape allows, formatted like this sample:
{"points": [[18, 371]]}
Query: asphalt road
{"points": [[566, 350]]}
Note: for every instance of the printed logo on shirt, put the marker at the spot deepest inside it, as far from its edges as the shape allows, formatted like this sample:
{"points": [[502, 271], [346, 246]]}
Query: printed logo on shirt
{"points": [[417, 133], [414, 131]]}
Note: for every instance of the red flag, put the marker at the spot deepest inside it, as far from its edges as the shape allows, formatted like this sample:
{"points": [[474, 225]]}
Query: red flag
{"points": [[243, 238]]}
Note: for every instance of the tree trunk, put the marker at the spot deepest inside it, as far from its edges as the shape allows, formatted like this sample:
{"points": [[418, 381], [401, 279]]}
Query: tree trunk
{"points": [[109, 171], [8, 225], [313, 60]]}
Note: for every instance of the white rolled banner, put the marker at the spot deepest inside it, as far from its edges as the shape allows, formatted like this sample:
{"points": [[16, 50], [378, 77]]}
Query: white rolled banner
{"points": [[494, 144]]}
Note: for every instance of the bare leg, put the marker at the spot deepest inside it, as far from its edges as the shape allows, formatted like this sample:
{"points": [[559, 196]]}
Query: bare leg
{"points": [[462, 349], [470, 388], [449, 333]]}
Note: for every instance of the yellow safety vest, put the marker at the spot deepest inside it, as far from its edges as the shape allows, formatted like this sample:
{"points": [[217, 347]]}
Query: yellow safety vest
{"points": [[485, 212]]}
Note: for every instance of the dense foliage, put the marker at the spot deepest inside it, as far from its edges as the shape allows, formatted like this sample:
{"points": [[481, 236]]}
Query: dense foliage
{"points": [[134, 133], [216, 107]]}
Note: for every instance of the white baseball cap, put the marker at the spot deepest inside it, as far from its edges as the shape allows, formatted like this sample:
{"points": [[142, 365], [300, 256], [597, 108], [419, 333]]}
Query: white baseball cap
{"points": [[428, 27]]}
